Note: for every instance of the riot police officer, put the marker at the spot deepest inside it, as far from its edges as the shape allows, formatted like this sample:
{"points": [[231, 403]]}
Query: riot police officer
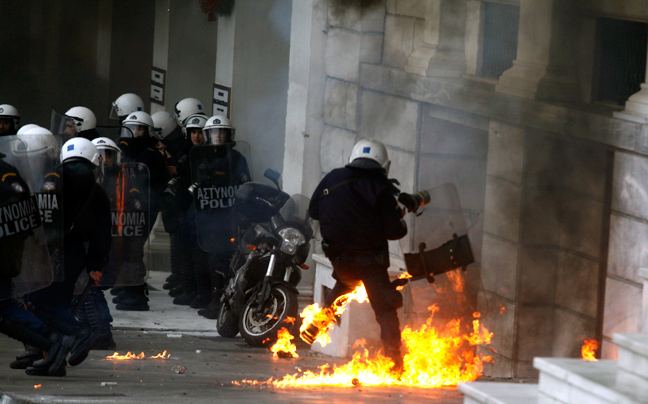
{"points": [[187, 292], [87, 241], [222, 168], [9, 120], [80, 122], [358, 213], [137, 144], [15, 321]]}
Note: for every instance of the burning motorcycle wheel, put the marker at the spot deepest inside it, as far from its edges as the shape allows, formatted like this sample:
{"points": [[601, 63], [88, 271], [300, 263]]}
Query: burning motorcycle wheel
{"points": [[227, 323], [259, 325]]}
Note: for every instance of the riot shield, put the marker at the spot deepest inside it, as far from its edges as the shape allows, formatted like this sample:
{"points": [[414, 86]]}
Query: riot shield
{"points": [[25, 262], [42, 151], [437, 248], [127, 187], [216, 174]]}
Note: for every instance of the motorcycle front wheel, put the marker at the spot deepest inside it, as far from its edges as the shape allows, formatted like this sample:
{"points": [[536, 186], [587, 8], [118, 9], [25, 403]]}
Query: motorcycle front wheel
{"points": [[227, 323], [259, 325]]}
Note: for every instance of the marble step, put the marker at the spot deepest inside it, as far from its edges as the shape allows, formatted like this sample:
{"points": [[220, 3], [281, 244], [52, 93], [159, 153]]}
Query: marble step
{"points": [[633, 358], [499, 393], [574, 381]]}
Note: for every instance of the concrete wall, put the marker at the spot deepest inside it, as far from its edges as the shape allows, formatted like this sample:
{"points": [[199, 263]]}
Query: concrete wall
{"points": [[191, 54]]}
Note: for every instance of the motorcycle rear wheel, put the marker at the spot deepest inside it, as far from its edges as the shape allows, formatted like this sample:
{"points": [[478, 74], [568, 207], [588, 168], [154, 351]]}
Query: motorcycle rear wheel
{"points": [[227, 323], [263, 331]]}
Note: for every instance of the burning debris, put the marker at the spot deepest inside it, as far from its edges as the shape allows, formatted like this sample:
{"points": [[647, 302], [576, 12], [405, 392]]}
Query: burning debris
{"points": [[317, 321], [129, 356], [434, 358], [284, 348], [588, 350]]}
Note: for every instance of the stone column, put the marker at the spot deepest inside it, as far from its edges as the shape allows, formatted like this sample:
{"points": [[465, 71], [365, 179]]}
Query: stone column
{"points": [[305, 94], [543, 68], [441, 52], [474, 36]]}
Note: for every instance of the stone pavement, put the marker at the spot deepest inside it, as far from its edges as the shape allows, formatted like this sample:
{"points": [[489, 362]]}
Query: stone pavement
{"points": [[212, 365]]}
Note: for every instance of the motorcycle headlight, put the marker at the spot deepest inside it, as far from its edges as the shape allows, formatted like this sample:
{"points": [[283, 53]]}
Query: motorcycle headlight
{"points": [[292, 239]]}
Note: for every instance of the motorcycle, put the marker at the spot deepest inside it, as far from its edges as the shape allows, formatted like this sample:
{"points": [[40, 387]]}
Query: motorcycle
{"points": [[273, 242]]}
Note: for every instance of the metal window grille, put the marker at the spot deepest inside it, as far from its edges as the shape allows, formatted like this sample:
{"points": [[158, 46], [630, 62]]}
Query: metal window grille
{"points": [[622, 59], [500, 38]]}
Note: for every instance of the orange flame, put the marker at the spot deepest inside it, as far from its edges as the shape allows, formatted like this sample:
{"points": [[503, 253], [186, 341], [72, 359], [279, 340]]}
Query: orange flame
{"points": [[129, 355], [284, 348], [588, 350], [324, 318], [38, 386], [119, 199], [404, 275], [434, 358]]}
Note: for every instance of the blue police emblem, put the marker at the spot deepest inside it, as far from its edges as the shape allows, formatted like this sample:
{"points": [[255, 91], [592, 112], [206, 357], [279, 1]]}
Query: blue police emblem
{"points": [[70, 147], [366, 149]]}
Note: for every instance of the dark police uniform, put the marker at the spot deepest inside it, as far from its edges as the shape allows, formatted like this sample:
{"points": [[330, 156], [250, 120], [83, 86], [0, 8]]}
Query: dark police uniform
{"points": [[86, 218], [358, 213]]}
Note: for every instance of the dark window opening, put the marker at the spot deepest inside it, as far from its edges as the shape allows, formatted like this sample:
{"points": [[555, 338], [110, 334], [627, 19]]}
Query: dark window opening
{"points": [[622, 59], [500, 38]]}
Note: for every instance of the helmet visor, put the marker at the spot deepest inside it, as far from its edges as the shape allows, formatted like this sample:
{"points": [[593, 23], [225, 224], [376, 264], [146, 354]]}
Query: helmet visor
{"points": [[114, 113], [110, 157], [217, 136], [135, 129]]}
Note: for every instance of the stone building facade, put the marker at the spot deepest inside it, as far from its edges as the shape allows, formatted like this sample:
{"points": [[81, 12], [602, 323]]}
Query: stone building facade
{"points": [[550, 169]]}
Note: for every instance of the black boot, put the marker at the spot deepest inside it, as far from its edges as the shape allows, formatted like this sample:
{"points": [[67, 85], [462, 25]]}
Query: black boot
{"points": [[175, 249], [189, 291], [213, 308], [203, 280], [54, 362], [35, 370], [26, 359], [136, 299]]}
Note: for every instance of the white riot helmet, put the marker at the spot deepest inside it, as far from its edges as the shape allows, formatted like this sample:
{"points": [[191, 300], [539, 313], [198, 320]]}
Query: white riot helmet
{"points": [[38, 141], [10, 112], [84, 118], [163, 123], [187, 107], [107, 147], [194, 121], [137, 124], [369, 153], [125, 104], [79, 147], [216, 125], [25, 128]]}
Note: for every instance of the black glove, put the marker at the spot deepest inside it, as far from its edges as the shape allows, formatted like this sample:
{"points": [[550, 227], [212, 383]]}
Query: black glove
{"points": [[409, 201]]}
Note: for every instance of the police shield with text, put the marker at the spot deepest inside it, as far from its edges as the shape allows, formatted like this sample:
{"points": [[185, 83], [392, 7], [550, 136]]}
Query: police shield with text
{"points": [[25, 261], [127, 187], [41, 148], [217, 172]]}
